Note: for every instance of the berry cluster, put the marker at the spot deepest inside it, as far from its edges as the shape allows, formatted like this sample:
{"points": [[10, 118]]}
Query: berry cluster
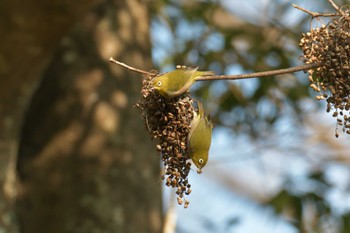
{"points": [[329, 45], [168, 121]]}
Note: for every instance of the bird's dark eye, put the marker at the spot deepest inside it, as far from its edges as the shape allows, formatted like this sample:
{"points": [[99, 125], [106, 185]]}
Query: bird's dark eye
{"points": [[200, 161], [159, 83]]}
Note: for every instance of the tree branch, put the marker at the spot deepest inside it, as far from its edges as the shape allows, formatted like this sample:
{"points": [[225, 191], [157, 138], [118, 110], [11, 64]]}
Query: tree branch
{"points": [[315, 14], [259, 74], [112, 60], [231, 77], [336, 7]]}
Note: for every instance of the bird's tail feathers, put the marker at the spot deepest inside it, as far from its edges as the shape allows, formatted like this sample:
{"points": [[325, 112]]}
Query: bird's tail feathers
{"points": [[206, 73]]}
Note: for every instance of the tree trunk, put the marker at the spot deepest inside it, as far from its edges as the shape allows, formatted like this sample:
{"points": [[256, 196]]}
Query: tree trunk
{"points": [[85, 162]]}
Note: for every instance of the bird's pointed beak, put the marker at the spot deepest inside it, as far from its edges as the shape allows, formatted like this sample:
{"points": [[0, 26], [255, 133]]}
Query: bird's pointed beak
{"points": [[199, 170]]}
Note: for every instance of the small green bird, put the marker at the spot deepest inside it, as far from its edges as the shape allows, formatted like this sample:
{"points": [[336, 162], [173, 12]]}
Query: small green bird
{"points": [[199, 138], [177, 82]]}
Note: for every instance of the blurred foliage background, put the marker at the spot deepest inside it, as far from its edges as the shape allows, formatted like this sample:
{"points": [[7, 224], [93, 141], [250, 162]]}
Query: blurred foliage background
{"points": [[277, 118], [275, 165]]}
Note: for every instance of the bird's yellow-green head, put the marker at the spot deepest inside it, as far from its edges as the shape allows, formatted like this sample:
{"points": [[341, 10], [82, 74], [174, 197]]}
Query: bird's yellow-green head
{"points": [[160, 84], [200, 159]]}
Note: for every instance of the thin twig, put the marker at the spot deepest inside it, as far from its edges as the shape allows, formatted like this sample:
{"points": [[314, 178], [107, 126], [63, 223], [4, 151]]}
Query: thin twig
{"points": [[170, 216], [336, 7], [259, 74], [315, 14], [130, 67], [232, 77]]}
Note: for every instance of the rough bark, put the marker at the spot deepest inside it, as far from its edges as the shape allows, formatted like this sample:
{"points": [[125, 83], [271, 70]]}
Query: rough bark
{"points": [[30, 30], [85, 163]]}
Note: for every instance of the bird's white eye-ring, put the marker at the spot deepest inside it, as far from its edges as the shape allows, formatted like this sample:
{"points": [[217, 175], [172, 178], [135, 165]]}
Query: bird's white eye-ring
{"points": [[200, 161], [159, 83]]}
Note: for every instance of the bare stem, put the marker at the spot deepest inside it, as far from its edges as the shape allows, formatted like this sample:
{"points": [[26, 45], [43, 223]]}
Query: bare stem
{"points": [[130, 67], [315, 14], [259, 74], [336, 7], [231, 77]]}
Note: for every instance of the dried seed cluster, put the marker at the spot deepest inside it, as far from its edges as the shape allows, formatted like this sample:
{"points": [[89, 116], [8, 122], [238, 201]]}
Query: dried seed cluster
{"points": [[329, 45], [168, 120]]}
